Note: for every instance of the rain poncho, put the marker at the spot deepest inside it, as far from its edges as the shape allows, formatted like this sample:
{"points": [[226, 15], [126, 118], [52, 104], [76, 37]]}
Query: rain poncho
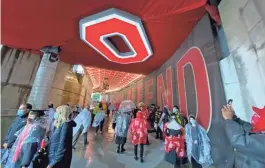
{"points": [[124, 118], [201, 151], [83, 119], [138, 129], [122, 124], [174, 143], [27, 144], [112, 107], [100, 115]]}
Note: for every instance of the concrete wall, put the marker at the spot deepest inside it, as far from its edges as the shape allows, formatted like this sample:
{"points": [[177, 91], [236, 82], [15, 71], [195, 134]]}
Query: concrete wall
{"points": [[244, 70], [17, 76]]}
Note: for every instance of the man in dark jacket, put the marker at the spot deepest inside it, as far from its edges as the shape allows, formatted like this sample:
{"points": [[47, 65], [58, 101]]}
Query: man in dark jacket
{"points": [[17, 124], [249, 147]]}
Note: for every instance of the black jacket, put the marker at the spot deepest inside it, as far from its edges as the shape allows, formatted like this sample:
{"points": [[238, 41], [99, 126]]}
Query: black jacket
{"points": [[17, 124], [60, 146], [249, 149]]}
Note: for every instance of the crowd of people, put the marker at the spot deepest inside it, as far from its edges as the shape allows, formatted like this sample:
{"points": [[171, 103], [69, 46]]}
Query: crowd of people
{"points": [[47, 138]]}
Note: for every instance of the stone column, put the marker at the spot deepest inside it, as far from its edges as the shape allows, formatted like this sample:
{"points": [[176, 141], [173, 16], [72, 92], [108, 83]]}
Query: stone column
{"points": [[39, 95]]}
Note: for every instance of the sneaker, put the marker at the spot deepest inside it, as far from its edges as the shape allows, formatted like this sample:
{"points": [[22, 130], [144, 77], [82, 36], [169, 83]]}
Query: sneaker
{"points": [[136, 158], [118, 151], [142, 160]]}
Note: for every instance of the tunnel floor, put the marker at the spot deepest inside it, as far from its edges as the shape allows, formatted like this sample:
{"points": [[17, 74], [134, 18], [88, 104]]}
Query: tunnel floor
{"points": [[101, 152]]}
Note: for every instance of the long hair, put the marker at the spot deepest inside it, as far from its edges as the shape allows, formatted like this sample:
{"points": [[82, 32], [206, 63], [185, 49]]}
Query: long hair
{"points": [[63, 113]]}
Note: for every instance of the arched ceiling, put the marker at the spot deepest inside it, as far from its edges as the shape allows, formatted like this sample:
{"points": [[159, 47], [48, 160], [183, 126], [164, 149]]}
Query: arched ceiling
{"points": [[33, 24], [116, 79]]}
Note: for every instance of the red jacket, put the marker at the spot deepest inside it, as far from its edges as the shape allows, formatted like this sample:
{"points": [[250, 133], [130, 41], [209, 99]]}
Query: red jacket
{"points": [[138, 129], [174, 143]]}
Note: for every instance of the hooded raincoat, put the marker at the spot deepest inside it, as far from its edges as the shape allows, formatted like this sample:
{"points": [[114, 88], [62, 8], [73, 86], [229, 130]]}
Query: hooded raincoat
{"points": [[138, 129], [27, 144], [200, 151], [83, 119]]}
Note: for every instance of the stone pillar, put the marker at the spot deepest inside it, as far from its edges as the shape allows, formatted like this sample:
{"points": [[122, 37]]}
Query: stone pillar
{"points": [[39, 95]]}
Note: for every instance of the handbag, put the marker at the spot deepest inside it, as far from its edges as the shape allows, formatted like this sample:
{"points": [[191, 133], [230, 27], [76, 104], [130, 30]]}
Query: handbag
{"points": [[4, 156]]}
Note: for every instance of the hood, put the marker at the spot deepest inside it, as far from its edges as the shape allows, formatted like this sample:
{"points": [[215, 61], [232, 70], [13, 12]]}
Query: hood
{"points": [[139, 115], [258, 119]]}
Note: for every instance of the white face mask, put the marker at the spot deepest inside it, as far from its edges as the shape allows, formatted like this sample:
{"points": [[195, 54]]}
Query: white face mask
{"points": [[192, 121], [175, 110]]}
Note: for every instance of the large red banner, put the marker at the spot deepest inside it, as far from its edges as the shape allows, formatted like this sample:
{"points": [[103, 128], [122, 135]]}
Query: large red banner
{"points": [[191, 79]]}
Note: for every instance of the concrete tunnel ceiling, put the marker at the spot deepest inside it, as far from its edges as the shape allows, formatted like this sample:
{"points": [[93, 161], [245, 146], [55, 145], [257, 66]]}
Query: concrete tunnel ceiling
{"points": [[33, 24]]}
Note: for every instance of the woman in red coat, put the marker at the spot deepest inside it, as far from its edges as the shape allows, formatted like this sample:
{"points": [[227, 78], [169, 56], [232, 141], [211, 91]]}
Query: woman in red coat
{"points": [[146, 114], [138, 129]]}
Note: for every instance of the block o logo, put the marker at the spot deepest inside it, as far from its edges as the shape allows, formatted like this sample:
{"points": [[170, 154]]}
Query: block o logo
{"points": [[96, 29]]}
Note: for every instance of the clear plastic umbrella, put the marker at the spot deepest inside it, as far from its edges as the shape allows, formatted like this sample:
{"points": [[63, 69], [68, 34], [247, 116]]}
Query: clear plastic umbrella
{"points": [[127, 106]]}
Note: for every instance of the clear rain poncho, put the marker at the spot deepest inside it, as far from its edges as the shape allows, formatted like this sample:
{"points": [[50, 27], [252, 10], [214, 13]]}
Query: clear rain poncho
{"points": [[124, 118], [203, 156], [83, 119], [27, 144]]}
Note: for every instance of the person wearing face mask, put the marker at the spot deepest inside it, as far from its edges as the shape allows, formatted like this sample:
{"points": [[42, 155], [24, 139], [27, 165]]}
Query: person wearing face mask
{"points": [[17, 124], [180, 118], [198, 144], [28, 141], [60, 145], [49, 113]]}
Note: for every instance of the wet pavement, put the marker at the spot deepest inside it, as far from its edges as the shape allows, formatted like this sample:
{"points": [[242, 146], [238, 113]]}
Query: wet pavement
{"points": [[101, 152]]}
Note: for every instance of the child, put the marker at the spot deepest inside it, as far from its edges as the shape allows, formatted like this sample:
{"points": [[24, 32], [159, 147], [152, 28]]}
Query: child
{"points": [[138, 129]]}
